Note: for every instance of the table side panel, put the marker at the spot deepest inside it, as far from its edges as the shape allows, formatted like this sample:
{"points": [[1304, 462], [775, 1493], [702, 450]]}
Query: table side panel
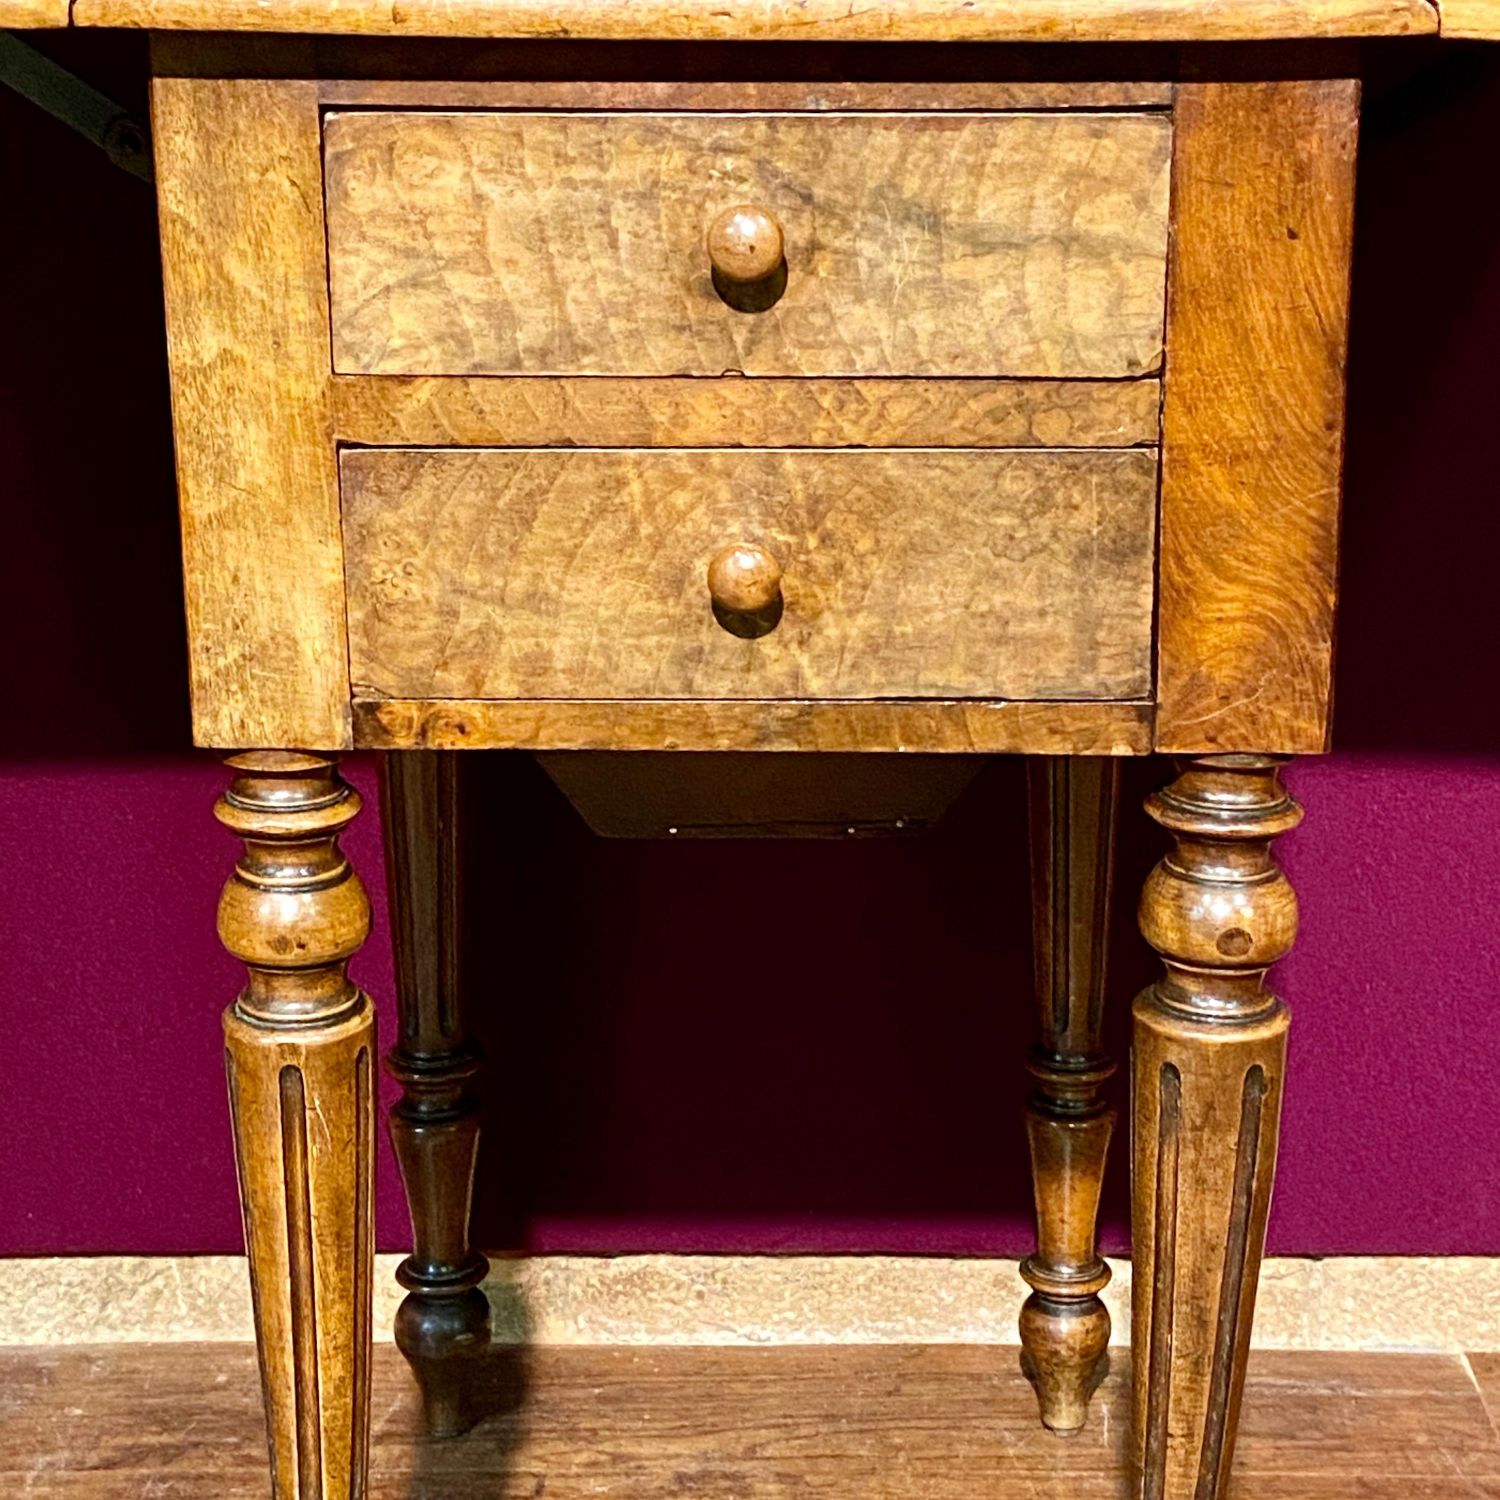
{"points": [[1252, 428], [238, 170]]}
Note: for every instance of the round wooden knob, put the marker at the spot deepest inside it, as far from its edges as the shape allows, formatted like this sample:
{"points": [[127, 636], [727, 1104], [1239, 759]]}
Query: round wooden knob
{"points": [[745, 244], [744, 580]]}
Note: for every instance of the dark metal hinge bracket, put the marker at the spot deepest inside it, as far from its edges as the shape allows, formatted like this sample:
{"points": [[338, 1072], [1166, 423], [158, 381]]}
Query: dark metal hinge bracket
{"points": [[123, 138]]}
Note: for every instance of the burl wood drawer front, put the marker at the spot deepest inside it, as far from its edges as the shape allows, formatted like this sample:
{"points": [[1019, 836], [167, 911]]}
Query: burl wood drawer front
{"points": [[552, 573], [916, 244]]}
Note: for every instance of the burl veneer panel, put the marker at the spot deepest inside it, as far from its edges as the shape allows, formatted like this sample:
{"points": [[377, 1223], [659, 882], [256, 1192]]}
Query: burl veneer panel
{"points": [[581, 574], [943, 244]]}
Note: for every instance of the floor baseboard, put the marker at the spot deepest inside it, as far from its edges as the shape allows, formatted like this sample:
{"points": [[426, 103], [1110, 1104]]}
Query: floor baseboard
{"points": [[1449, 1303]]}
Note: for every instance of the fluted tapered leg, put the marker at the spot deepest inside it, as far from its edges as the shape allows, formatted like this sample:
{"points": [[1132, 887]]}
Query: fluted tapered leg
{"points": [[442, 1326], [1064, 1325], [1209, 1054], [300, 1043]]}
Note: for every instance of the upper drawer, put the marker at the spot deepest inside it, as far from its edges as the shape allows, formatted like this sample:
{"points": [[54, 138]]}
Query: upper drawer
{"points": [[916, 244]]}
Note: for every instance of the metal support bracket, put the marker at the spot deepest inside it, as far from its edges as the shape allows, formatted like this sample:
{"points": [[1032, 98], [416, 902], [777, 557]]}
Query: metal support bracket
{"points": [[123, 138]]}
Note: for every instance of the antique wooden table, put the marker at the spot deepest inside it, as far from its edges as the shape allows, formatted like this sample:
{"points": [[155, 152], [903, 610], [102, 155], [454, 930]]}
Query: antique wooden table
{"points": [[684, 389]]}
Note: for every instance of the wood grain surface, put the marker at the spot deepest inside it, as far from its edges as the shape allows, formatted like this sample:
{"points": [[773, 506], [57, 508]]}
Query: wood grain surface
{"points": [[182, 1422], [17, 15], [443, 1323], [1252, 429], [929, 725], [925, 244], [549, 573], [239, 185], [1065, 1326], [1477, 20], [299, 1049], [1485, 1369], [786, 20], [607, 411], [941, 94], [1208, 1055]]}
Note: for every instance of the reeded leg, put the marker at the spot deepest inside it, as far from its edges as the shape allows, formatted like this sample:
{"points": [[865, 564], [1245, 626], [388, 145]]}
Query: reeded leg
{"points": [[1209, 1052], [1064, 1325], [299, 1042], [442, 1326]]}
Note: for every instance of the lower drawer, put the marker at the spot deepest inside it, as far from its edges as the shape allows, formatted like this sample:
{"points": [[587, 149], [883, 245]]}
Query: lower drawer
{"points": [[580, 573]]}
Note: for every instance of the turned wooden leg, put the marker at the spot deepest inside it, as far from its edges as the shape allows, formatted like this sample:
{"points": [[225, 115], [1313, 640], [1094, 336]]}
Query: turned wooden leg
{"points": [[443, 1324], [299, 1042], [1064, 1325], [1209, 1052]]}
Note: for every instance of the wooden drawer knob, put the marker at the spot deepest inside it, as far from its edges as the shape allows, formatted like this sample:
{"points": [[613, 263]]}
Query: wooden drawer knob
{"points": [[744, 582], [745, 244], [748, 254]]}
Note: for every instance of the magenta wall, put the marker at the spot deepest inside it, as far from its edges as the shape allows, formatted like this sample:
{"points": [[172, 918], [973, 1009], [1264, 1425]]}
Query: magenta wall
{"points": [[870, 1101]]}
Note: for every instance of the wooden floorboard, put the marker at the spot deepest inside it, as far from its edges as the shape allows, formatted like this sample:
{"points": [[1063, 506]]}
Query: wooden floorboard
{"points": [[1485, 1369], [182, 1422]]}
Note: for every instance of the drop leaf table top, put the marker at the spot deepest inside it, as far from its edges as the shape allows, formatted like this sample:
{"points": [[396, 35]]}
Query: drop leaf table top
{"points": [[788, 20]]}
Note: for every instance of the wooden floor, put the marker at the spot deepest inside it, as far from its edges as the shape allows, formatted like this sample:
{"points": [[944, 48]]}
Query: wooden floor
{"points": [[168, 1422]]}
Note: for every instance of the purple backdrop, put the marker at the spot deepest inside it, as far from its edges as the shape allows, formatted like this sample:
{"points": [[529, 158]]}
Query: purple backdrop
{"points": [[870, 1100]]}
